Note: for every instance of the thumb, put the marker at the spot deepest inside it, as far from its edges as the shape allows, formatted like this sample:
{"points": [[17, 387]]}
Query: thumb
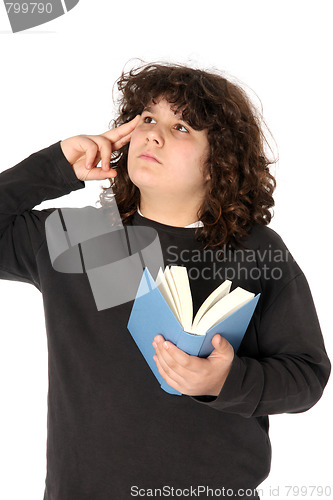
{"points": [[221, 346], [97, 174]]}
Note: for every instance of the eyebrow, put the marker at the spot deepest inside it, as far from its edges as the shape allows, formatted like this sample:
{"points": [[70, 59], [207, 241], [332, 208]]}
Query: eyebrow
{"points": [[177, 115]]}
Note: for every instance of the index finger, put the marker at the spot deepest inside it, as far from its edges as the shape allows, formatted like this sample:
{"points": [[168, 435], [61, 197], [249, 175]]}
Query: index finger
{"points": [[123, 130], [171, 353]]}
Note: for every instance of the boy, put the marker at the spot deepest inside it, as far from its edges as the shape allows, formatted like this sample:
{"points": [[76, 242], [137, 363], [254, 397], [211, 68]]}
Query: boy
{"points": [[189, 157]]}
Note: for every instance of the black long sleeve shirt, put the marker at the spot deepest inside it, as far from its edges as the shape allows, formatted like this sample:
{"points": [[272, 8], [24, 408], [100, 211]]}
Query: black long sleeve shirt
{"points": [[111, 429]]}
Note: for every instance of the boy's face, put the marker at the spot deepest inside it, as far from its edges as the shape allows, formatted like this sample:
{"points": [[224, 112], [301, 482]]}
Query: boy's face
{"points": [[166, 155]]}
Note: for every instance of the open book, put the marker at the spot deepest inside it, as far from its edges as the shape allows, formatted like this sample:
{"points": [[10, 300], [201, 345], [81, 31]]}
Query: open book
{"points": [[174, 285], [165, 307]]}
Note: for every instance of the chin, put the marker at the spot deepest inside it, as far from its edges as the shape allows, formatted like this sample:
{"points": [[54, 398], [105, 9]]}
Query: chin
{"points": [[142, 178]]}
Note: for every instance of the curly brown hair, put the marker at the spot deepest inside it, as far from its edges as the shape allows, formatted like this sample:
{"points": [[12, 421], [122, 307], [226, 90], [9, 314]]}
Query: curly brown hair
{"points": [[241, 187]]}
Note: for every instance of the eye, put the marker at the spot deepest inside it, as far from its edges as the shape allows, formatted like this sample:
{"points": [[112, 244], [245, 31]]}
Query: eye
{"points": [[148, 119], [181, 128]]}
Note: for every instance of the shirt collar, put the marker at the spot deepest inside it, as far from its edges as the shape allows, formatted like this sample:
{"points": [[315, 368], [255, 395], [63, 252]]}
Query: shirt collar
{"points": [[194, 224]]}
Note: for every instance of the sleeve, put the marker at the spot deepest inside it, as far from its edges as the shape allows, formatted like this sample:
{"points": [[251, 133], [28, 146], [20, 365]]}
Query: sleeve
{"points": [[42, 176], [292, 370]]}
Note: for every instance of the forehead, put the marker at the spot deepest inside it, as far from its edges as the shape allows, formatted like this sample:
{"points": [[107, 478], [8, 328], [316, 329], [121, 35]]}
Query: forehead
{"points": [[162, 105], [169, 110]]}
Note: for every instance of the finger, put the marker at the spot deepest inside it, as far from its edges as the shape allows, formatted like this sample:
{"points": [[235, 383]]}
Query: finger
{"points": [[104, 151], [81, 163], [177, 359], [91, 150], [105, 148], [171, 378], [118, 133], [222, 348], [98, 174], [170, 370], [119, 144]]}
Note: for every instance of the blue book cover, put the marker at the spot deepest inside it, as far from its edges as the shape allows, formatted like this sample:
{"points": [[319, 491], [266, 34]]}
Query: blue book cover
{"points": [[151, 315]]}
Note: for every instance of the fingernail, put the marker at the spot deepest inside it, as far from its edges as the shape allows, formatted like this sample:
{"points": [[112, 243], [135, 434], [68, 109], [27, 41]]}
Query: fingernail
{"points": [[154, 345], [165, 345], [88, 166]]}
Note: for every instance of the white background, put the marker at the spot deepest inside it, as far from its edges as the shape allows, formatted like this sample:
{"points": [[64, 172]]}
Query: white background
{"points": [[56, 81]]}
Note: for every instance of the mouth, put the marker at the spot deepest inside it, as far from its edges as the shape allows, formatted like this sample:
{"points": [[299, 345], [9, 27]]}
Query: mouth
{"points": [[148, 157]]}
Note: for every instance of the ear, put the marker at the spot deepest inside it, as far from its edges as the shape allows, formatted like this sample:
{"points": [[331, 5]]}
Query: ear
{"points": [[207, 177]]}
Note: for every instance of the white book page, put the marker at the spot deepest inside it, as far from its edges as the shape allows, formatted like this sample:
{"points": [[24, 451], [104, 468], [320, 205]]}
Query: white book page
{"points": [[182, 284], [223, 308], [163, 287], [173, 290], [220, 292]]}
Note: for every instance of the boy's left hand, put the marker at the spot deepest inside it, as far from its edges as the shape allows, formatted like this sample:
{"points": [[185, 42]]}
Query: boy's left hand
{"points": [[192, 375]]}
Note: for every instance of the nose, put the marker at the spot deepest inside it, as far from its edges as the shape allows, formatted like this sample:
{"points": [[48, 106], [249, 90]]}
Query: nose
{"points": [[155, 135]]}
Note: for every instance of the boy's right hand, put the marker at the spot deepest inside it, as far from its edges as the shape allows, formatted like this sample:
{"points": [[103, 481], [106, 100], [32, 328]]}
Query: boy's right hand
{"points": [[84, 152]]}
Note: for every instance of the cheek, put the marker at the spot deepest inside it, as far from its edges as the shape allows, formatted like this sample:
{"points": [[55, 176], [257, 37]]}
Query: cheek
{"points": [[133, 142], [191, 162], [134, 169], [132, 150]]}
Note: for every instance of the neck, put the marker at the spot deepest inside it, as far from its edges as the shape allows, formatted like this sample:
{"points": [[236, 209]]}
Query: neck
{"points": [[171, 214]]}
